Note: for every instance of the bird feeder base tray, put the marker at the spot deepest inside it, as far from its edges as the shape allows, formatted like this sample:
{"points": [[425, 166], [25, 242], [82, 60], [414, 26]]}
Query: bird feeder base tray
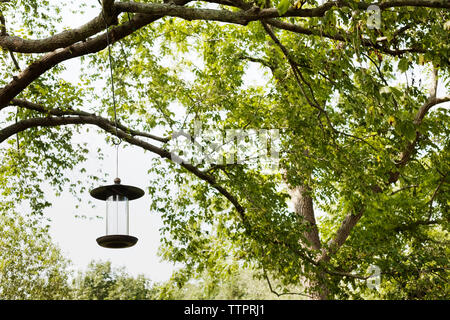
{"points": [[117, 241]]}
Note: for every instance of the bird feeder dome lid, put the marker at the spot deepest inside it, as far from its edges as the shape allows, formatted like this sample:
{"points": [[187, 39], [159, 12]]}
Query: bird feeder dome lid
{"points": [[117, 189]]}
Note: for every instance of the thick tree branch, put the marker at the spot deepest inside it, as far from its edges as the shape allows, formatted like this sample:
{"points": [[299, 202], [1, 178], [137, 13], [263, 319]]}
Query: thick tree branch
{"points": [[341, 236], [255, 13], [342, 36], [60, 40], [109, 127], [241, 17], [58, 112], [111, 11], [51, 59], [303, 206], [65, 38], [414, 225]]}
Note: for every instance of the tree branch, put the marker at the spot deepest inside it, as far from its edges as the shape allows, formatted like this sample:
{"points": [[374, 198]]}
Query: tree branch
{"points": [[255, 13], [109, 127], [303, 206], [284, 293], [420, 115], [414, 225], [48, 61], [241, 17], [112, 9], [60, 40], [342, 36], [64, 38], [341, 236], [58, 112], [4, 33]]}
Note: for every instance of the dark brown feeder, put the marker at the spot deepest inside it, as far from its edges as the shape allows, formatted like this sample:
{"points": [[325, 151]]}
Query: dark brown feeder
{"points": [[117, 213]]}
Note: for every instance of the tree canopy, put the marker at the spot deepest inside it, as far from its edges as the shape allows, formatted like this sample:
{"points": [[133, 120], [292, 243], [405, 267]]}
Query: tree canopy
{"points": [[103, 282], [31, 267], [358, 92]]}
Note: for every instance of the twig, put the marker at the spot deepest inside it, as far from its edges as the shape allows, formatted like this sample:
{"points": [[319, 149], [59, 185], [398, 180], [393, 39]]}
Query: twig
{"points": [[299, 78], [3, 32], [404, 188], [435, 194], [284, 293], [377, 67], [16, 64]]}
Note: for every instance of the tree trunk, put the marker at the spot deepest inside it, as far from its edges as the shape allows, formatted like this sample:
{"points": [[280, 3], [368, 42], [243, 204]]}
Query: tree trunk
{"points": [[303, 207]]}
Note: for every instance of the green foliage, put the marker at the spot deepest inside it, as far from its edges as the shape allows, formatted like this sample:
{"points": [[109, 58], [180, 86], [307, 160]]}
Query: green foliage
{"points": [[283, 6], [345, 126], [101, 281], [373, 114], [31, 267], [241, 284]]}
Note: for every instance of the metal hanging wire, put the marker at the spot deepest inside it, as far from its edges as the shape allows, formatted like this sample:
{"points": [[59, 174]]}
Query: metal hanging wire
{"points": [[116, 140]]}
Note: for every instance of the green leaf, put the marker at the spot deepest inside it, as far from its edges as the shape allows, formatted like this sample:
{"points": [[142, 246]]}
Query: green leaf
{"points": [[283, 7], [403, 64]]}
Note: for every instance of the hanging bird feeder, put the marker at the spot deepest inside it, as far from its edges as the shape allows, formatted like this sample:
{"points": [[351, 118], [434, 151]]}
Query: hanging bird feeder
{"points": [[116, 195], [117, 213]]}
